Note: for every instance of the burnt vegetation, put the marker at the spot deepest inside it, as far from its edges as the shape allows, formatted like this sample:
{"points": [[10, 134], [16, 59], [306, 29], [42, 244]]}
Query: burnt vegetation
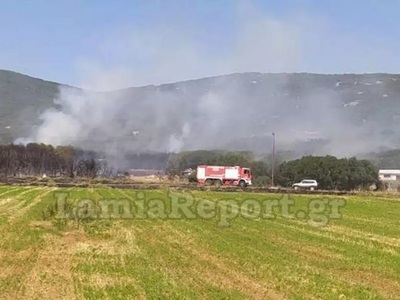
{"points": [[46, 160], [65, 161]]}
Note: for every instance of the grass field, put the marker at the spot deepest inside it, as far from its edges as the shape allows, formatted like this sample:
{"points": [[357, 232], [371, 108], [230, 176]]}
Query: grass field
{"points": [[287, 257]]}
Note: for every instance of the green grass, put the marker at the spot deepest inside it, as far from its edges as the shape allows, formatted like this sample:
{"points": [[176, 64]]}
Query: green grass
{"points": [[354, 257]]}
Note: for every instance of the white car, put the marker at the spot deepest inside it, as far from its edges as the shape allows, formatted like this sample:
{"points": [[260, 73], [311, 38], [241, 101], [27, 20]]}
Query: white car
{"points": [[306, 184]]}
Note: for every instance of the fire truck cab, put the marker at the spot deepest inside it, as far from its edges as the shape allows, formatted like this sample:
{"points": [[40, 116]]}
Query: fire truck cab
{"points": [[224, 175]]}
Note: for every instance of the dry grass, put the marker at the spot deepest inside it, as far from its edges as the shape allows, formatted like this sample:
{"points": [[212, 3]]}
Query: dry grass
{"points": [[195, 259], [51, 276]]}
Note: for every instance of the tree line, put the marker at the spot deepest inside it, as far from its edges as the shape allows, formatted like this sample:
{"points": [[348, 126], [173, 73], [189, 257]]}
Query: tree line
{"points": [[40, 159], [329, 171]]}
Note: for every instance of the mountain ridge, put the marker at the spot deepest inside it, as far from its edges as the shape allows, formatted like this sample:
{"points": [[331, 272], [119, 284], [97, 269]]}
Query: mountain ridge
{"points": [[199, 113], [206, 77]]}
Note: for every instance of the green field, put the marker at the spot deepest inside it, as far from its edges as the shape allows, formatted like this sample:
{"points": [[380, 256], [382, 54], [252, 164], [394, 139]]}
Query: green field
{"points": [[148, 255]]}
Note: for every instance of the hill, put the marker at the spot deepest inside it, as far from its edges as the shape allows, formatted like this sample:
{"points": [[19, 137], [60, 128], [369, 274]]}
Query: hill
{"points": [[22, 100], [310, 113]]}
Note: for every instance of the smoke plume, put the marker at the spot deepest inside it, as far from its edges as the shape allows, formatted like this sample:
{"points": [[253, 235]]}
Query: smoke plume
{"points": [[239, 111]]}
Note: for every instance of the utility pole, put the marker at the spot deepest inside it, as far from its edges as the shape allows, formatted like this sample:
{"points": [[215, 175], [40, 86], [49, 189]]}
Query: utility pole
{"points": [[273, 160]]}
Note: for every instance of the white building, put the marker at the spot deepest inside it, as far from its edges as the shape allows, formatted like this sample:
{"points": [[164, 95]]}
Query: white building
{"points": [[389, 175]]}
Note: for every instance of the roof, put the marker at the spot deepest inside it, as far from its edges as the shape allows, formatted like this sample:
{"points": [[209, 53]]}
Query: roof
{"points": [[389, 172]]}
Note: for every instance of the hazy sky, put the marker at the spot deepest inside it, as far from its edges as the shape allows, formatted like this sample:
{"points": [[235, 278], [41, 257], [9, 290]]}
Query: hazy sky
{"points": [[87, 42]]}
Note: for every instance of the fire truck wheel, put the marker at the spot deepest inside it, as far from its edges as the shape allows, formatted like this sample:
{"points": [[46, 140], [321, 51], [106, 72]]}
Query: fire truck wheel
{"points": [[209, 182], [242, 183], [217, 183]]}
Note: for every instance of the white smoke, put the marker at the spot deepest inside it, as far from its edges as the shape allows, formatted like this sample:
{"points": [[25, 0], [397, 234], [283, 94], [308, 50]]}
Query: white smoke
{"points": [[176, 143], [221, 115]]}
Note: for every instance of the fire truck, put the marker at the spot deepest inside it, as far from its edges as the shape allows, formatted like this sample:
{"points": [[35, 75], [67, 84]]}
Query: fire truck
{"points": [[224, 175]]}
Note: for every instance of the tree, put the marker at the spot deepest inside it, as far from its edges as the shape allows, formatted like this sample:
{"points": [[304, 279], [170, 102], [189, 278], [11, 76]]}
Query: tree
{"points": [[330, 172]]}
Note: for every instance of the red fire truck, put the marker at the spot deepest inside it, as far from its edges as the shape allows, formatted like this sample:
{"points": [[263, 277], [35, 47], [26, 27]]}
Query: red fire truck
{"points": [[224, 175]]}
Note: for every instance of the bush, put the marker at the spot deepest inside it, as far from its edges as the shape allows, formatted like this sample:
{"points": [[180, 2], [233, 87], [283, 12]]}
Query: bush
{"points": [[261, 180], [192, 177]]}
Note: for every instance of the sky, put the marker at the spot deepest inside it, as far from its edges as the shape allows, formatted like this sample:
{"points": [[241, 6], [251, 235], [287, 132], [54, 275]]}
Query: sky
{"points": [[115, 44]]}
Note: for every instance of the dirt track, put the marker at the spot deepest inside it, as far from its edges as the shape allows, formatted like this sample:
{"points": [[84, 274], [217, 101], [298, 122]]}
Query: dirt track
{"points": [[181, 186]]}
